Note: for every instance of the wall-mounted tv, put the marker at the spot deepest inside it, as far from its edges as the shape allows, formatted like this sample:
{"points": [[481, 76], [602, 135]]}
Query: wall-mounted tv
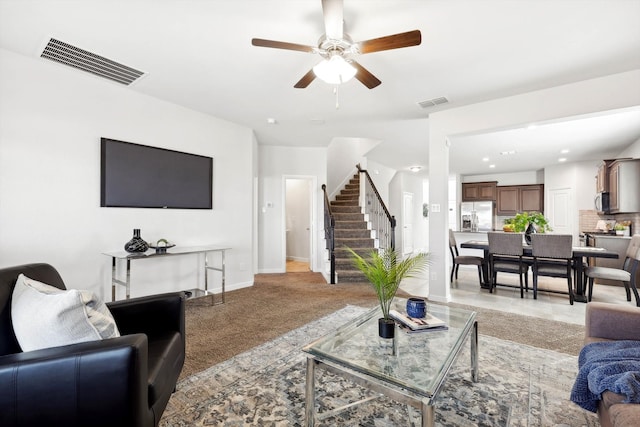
{"points": [[140, 176]]}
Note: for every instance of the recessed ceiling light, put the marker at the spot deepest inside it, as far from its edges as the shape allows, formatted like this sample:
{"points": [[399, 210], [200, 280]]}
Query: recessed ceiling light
{"points": [[271, 121], [492, 166], [564, 151], [415, 168], [507, 153], [562, 159], [485, 159]]}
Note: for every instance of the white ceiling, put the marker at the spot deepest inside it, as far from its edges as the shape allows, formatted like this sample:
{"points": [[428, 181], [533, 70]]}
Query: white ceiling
{"points": [[199, 54]]}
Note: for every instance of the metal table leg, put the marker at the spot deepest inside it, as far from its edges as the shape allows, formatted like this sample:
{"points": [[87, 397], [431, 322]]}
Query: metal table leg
{"points": [[474, 352], [428, 413], [310, 393]]}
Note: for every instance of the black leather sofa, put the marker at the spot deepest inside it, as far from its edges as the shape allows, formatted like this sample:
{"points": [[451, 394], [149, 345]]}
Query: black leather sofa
{"points": [[125, 381]]}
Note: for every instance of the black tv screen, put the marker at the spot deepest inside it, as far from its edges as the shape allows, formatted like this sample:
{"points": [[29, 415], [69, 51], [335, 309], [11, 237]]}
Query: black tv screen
{"points": [[140, 176]]}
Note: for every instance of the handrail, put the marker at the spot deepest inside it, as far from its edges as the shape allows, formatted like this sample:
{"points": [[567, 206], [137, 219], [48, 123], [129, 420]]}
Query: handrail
{"points": [[329, 234], [377, 211]]}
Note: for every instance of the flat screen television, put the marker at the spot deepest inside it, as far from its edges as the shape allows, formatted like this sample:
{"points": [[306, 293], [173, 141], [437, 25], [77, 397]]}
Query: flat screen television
{"points": [[140, 176]]}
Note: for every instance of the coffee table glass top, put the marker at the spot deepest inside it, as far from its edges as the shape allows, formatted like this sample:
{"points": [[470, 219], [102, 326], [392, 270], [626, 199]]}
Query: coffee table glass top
{"points": [[422, 359]]}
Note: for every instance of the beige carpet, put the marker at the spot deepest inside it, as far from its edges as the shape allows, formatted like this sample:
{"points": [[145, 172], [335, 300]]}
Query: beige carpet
{"points": [[278, 303]]}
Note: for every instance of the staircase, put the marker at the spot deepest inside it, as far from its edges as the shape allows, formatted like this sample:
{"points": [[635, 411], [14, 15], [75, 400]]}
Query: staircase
{"points": [[350, 230]]}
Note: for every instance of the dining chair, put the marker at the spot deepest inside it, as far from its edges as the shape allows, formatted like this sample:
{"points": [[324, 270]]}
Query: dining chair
{"points": [[627, 274], [459, 260], [505, 255], [552, 257]]}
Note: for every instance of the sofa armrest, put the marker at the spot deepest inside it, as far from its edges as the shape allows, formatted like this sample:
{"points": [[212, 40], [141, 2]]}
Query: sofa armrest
{"points": [[612, 322], [102, 383], [153, 315]]}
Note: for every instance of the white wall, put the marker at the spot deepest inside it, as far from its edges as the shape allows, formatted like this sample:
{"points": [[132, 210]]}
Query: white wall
{"points": [[275, 164], [381, 176], [410, 183], [51, 121], [632, 151], [343, 154]]}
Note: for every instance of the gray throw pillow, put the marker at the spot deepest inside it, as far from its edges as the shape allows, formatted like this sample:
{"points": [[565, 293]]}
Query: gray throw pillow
{"points": [[44, 316]]}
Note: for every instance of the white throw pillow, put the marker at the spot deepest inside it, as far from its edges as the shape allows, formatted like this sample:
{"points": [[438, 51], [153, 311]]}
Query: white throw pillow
{"points": [[44, 316]]}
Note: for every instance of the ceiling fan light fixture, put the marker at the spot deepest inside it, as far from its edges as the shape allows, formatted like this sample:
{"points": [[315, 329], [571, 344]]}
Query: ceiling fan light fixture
{"points": [[335, 70]]}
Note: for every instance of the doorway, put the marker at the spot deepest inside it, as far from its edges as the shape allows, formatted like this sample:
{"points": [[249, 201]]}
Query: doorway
{"points": [[298, 224]]}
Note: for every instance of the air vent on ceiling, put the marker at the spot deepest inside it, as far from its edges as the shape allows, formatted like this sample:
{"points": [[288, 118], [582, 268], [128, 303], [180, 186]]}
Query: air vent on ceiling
{"points": [[81, 59], [433, 102]]}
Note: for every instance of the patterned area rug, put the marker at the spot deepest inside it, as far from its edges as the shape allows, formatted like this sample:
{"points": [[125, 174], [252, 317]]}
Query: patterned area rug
{"points": [[518, 386]]}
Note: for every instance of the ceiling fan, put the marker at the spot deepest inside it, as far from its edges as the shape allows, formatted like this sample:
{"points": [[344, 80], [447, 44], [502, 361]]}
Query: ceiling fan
{"points": [[338, 49]]}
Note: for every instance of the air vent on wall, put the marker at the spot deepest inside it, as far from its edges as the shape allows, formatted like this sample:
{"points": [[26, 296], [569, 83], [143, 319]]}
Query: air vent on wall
{"points": [[433, 102], [81, 59]]}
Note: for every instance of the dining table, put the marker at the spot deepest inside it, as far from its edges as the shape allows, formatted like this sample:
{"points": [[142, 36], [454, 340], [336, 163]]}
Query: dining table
{"points": [[579, 254]]}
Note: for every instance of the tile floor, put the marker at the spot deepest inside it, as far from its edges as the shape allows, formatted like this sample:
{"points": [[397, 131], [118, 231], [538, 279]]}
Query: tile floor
{"points": [[466, 290]]}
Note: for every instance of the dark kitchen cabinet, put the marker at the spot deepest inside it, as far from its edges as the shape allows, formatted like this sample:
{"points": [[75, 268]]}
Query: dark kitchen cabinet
{"points": [[513, 199], [475, 191], [614, 176], [602, 178], [508, 200], [624, 195]]}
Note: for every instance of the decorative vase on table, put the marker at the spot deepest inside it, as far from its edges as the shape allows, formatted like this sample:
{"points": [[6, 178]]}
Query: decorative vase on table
{"points": [[136, 244], [527, 234], [416, 307]]}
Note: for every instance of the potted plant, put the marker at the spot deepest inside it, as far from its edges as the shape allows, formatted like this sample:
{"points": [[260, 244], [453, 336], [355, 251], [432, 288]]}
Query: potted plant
{"points": [[384, 270], [622, 228], [522, 221]]}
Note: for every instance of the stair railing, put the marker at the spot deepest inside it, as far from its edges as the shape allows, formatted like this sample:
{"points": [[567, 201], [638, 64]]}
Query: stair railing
{"points": [[382, 222], [329, 234]]}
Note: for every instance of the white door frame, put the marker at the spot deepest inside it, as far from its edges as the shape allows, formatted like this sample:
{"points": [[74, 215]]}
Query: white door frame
{"points": [[313, 203]]}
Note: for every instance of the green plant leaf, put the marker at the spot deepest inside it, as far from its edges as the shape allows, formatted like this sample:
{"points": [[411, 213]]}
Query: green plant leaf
{"points": [[384, 272]]}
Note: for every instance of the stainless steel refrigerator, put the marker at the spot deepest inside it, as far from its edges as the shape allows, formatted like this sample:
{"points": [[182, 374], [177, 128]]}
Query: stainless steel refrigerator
{"points": [[476, 216]]}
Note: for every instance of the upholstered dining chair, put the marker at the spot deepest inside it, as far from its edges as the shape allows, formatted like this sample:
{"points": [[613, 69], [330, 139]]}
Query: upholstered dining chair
{"points": [[552, 257], [459, 260], [627, 274], [505, 255]]}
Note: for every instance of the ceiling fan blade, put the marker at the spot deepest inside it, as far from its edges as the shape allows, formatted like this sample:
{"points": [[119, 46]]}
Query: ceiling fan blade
{"points": [[282, 45], [395, 41], [365, 77], [332, 10], [305, 80]]}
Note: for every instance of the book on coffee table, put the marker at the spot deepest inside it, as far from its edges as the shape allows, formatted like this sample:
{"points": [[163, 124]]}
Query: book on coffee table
{"points": [[418, 324]]}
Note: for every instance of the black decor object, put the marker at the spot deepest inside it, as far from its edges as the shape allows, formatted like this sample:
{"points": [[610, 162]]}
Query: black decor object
{"points": [[136, 244], [528, 232], [140, 176], [386, 328]]}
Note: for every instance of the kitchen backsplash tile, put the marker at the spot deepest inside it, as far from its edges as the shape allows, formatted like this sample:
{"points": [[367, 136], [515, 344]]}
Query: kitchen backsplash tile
{"points": [[589, 218]]}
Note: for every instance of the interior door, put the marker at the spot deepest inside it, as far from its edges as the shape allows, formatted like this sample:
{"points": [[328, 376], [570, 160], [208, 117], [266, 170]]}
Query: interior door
{"points": [[407, 223], [298, 209], [559, 211]]}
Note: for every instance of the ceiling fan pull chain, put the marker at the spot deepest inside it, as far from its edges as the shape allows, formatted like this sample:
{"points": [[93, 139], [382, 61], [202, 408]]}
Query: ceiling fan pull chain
{"points": [[335, 91]]}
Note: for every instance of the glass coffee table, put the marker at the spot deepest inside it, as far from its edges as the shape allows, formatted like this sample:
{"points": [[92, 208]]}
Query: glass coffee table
{"points": [[410, 368]]}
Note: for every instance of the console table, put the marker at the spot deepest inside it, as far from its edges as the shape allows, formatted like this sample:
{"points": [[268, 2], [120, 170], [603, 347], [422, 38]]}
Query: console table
{"points": [[176, 250]]}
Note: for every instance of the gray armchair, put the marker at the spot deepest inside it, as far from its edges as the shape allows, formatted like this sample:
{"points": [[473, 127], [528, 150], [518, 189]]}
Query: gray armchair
{"points": [[607, 322]]}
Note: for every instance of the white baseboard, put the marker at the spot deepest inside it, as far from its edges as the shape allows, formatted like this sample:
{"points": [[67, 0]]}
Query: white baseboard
{"points": [[272, 270]]}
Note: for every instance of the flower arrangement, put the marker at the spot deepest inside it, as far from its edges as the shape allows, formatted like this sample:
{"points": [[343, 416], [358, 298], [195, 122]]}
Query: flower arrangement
{"points": [[622, 225], [521, 221]]}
